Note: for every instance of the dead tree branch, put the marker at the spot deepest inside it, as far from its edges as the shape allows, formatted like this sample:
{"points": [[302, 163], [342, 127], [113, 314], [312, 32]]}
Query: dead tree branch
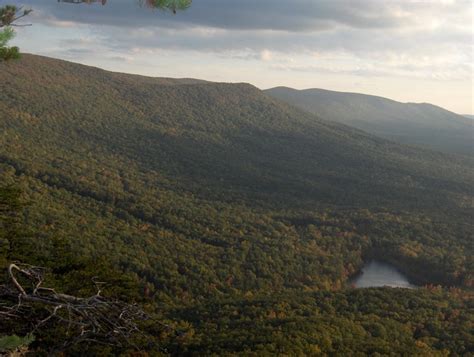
{"points": [[94, 318]]}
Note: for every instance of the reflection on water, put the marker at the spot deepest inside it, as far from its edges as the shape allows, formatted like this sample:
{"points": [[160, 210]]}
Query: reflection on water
{"points": [[377, 274], [172, 5]]}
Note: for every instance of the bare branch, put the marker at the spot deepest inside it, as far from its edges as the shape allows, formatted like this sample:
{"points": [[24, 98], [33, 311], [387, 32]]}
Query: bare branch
{"points": [[13, 279], [94, 318], [11, 14]]}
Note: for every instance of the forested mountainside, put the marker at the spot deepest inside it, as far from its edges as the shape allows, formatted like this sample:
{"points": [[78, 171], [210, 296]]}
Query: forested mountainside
{"points": [[214, 206], [411, 123]]}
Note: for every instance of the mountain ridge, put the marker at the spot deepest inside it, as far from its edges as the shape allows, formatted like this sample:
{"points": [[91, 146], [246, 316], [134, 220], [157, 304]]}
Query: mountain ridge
{"points": [[219, 205], [184, 120], [422, 124]]}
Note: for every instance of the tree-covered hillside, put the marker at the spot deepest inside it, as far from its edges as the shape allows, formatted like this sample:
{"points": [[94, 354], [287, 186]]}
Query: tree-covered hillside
{"points": [[210, 193], [411, 123]]}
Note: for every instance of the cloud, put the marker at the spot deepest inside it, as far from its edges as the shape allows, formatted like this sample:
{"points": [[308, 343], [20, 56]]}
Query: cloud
{"points": [[276, 15], [266, 55], [359, 37]]}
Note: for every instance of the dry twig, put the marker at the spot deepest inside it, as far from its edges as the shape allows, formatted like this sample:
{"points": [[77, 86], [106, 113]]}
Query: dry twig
{"points": [[93, 319]]}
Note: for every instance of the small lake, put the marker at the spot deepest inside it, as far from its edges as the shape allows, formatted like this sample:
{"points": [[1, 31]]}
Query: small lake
{"points": [[377, 274]]}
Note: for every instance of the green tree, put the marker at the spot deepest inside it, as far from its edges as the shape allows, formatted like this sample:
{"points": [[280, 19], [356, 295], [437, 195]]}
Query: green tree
{"points": [[172, 5], [9, 14], [14, 343]]}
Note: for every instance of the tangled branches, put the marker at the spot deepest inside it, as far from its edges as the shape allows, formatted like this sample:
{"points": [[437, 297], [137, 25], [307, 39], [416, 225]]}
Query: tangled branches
{"points": [[94, 319], [10, 13]]}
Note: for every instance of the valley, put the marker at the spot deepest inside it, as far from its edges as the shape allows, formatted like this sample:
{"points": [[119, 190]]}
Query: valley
{"points": [[233, 217]]}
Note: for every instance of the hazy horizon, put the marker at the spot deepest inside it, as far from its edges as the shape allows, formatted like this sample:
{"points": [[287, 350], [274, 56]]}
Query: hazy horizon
{"points": [[160, 196], [406, 51]]}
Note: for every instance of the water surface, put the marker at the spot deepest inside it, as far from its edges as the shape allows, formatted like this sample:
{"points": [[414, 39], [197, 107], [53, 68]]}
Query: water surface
{"points": [[377, 274]]}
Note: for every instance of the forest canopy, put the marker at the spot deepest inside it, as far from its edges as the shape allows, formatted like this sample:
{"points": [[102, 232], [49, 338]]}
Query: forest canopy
{"points": [[232, 220]]}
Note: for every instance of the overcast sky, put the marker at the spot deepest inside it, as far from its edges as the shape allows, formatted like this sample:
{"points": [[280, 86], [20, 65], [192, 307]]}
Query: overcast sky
{"points": [[412, 51]]}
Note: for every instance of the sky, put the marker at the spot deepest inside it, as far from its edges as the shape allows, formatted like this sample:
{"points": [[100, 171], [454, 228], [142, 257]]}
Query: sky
{"points": [[406, 50]]}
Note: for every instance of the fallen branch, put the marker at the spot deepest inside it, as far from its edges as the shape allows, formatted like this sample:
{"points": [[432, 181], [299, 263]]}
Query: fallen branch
{"points": [[94, 318]]}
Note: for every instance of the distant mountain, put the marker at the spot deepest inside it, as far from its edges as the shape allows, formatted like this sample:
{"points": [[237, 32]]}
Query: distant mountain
{"points": [[410, 123], [216, 197], [469, 116]]}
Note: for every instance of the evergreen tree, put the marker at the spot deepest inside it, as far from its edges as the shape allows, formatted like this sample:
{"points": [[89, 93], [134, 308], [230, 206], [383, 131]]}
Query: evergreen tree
{"points": [[9, 14]]}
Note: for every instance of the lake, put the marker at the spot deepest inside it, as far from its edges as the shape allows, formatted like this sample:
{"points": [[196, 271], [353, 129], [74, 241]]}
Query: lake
{"points": [[377, 274]]}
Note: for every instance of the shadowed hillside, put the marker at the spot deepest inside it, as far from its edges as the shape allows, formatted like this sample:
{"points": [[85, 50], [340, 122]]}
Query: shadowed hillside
{"points": [[212, 191], [419, 124], [198, 134]]}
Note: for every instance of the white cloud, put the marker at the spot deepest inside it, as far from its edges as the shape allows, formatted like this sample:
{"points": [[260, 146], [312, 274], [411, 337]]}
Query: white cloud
{"points": [[406, 39], [266, 55]]}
